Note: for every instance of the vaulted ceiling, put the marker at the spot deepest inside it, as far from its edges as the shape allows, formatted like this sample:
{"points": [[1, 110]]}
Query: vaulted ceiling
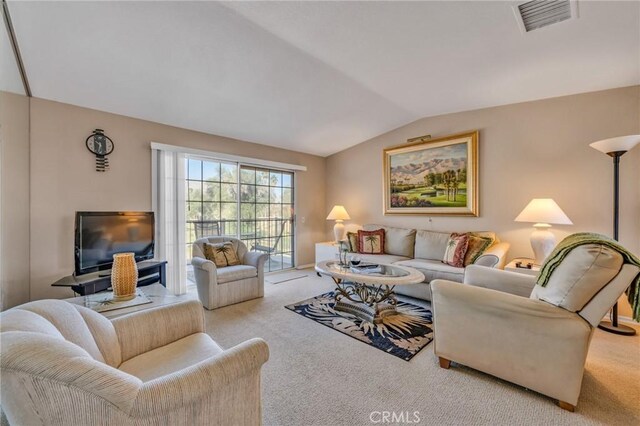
{"points": [[315, 77]]}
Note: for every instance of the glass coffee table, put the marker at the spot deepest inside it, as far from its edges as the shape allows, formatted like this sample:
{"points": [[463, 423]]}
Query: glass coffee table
{"points": [[366, 290]]}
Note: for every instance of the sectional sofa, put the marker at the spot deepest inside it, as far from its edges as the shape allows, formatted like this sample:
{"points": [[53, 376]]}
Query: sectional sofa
{"points": [[424, 251]]}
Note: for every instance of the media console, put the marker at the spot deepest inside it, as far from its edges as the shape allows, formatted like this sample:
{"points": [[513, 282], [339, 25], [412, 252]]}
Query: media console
{"points": [[149, 272]]}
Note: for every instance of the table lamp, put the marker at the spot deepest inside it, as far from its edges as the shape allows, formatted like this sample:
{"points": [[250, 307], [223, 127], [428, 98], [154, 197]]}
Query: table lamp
{"points": [[615, 148], [543, 212], [338, 213]]}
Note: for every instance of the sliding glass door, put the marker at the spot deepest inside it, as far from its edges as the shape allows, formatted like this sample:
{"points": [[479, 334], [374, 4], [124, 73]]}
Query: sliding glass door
{"points": [[250, 203], [266, 214]]}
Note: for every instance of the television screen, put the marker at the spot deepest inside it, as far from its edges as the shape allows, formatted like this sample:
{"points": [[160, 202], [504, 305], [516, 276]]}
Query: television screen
{"points": [[99, 235]]}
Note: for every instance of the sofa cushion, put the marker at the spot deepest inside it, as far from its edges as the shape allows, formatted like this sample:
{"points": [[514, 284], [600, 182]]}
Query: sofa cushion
{"points": [[580, 276], [434, 269], [456, 249], [371, 242], [235, 273], [381, 258], [431, 245], [170, 358], [419, 291], [397, 241]]}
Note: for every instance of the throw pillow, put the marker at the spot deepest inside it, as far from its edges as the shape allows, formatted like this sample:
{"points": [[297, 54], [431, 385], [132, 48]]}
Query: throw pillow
{"points": [[371, 242], [352, 239], [477, 246], [456, 249], [222, 254], [486, 234]]}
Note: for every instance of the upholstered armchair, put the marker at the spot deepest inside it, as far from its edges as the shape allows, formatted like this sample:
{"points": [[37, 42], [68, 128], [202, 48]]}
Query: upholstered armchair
{"points": [[219, 287], [503, 324], [63, 364]]}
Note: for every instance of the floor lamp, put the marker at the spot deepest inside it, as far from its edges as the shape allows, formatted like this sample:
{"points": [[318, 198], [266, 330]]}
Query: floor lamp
{"points": [[615, 148]]}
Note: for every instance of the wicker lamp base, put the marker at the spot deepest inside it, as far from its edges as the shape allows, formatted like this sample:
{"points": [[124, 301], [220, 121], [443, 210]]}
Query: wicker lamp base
{"points": [[124, 276]]}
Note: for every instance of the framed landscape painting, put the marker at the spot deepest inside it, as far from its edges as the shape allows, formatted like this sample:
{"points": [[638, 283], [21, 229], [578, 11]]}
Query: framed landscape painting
{"points": [[433, 177]]}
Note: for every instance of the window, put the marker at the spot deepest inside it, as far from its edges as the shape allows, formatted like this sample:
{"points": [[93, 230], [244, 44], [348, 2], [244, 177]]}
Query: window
{"points": [[251, 203]]}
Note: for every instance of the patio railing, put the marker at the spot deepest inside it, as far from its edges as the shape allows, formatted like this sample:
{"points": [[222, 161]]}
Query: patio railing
{"points": [[264, 231]]}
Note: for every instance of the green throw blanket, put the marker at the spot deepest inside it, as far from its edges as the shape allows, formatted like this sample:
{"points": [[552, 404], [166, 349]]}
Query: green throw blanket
{"points": [[572, 241]]}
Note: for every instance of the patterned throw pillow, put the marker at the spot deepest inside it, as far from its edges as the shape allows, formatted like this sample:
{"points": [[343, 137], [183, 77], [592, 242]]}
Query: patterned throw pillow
{"points": [[477, 246], [456, 249], [352, 239], [371, 242], [486, 234], [222, 254]]}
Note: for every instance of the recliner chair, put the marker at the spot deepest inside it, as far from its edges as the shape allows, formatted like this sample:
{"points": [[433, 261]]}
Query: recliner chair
{"points": [[503, 324]]}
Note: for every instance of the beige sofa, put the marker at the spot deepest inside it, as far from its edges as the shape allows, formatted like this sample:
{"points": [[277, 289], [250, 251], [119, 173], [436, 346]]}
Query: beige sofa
{"points": [[504, 324], [63, 364], [424, 250]]}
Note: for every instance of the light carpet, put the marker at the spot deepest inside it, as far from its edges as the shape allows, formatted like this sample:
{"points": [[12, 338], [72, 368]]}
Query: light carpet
{"points": [[316, 376], [284, 277]]}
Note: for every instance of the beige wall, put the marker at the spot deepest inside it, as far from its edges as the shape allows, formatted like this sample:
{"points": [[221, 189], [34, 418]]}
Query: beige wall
{"points": [[64, 180], [530, 150], [534, 149], [14, 199]]}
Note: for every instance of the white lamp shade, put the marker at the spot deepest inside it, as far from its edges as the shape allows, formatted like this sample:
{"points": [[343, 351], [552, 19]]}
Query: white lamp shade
{"points": [[338, 213], [543, 211], [622, 143]]}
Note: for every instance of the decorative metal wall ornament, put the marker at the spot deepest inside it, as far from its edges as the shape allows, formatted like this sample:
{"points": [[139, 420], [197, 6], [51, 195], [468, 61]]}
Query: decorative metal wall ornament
{"points": [[100, 145]]}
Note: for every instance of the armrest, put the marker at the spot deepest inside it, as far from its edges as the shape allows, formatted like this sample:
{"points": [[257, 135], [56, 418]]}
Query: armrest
{"points": [[254, 258], [469, 299], [147, 330], [52, 361], [210, 377], [495, 256], [204, 264], [497, 279]]}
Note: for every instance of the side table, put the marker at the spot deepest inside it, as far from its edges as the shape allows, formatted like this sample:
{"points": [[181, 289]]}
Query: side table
{"points": [[511, 266], [328, 250], [149, 272], [156, 292]]}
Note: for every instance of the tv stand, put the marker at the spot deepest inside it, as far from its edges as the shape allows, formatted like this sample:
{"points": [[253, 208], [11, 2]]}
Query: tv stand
{"points": [[149, 272]]}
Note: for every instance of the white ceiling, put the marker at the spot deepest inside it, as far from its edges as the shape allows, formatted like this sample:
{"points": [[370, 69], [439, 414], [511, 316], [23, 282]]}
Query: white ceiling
{"points": [[315, 77], [10, 81]]}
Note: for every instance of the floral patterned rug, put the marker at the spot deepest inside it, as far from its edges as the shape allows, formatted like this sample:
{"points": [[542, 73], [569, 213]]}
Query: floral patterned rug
{"points": [[402, 335]]}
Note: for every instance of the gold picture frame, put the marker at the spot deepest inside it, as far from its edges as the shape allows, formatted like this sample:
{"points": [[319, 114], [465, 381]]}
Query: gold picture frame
{"points": [[432, 176]]}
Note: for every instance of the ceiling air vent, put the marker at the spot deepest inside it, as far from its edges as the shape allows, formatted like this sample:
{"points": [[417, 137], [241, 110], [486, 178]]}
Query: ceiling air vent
{"points": [[536, 14]]}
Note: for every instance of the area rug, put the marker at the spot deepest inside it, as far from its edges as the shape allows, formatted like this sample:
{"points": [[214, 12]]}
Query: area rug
{"points": [[284, 277], [402, 335]]}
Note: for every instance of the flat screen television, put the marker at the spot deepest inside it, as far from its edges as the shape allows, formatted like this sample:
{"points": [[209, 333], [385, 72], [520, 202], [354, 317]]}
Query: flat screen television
{"points": [[99, 235]]}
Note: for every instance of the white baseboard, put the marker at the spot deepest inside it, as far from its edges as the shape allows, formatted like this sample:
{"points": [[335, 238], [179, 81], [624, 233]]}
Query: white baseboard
{"points": [[307, 266], [628, 320]]}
